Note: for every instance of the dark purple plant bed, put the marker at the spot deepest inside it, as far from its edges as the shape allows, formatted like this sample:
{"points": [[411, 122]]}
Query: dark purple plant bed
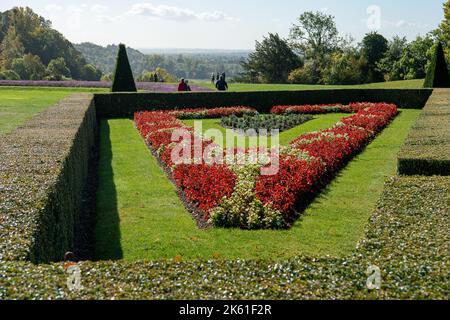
{"points": [[148, 86]]}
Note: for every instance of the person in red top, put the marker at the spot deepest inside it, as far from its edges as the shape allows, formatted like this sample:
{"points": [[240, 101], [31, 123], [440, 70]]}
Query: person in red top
{"points": [[182, 86]]}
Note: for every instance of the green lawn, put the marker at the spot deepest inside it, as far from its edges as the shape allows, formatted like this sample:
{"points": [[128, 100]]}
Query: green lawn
{"points": [[405, 84], [18, 104], [141, 217]]}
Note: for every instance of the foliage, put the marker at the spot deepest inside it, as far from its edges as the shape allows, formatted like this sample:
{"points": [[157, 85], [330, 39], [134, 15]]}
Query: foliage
{"points": [[26, 33], [90, 73], [196, 65], [345, 68], [272, 60], [374, 47], [315, 35], [266, 122], [123, 76], [406, 61], [443, 32], [57, 70], [437, 73], [308, 74], [9, 74]]}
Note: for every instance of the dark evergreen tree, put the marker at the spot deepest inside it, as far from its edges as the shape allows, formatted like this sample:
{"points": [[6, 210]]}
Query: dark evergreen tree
{"points": [[123, 76], [437, 74]]}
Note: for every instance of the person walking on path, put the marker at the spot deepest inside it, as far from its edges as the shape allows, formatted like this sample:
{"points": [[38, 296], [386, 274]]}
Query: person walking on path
{"points": [[213, 78], [182, 86], [188, 87], [222, 85]]}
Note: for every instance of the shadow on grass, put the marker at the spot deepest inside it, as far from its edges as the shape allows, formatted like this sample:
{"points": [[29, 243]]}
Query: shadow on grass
{"points": [[108, 237]]}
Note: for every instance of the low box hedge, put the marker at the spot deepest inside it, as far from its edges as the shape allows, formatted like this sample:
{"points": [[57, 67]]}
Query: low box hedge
{"points": [[427, 148], [43, 170], [120, 105]]}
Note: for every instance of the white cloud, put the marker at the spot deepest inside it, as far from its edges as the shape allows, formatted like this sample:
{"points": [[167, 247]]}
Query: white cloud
{"points": [[99, 9], [53, 8], [176, 13]]}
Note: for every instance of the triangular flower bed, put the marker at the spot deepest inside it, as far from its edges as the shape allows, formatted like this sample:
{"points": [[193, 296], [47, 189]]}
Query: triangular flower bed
{"points": [[234, 194]]}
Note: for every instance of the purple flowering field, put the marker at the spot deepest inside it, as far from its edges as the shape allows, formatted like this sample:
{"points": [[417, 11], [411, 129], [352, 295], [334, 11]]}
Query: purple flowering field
{"points": [[148, 86]]}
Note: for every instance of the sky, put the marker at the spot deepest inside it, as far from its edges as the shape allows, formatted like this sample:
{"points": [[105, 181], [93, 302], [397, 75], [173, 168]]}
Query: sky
{"points": [[230, 24]]}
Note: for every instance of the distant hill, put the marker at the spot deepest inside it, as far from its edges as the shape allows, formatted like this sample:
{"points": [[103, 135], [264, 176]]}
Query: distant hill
{"points": [[104, 58], [190, 51], [186, 63], [32, 50]]}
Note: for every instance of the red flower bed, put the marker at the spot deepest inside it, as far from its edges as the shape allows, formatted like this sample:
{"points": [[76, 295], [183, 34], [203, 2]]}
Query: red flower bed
{"points": [[322, 109], [332, 148], [205, 185], [311, 160]]}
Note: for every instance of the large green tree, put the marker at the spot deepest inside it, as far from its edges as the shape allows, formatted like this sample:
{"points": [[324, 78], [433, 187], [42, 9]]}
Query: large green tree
{"points": [[272, 60], [10, 48], [315, 34], [443, 32], [316, 37], [374, 47]]}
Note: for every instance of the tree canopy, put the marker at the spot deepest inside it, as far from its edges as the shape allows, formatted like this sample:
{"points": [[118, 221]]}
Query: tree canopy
{"points": [[23, 33], [272, 60]]}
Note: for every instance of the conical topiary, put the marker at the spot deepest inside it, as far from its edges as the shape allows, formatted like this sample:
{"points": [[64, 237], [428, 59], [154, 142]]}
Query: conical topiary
{"points": [[437, 74], [123, 76]]}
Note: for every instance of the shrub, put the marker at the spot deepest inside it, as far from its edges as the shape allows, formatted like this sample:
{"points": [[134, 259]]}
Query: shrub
{"points": [[9, 75], [437, 73], [308, 74], [123, 76], [57, 70], [90, 73]]}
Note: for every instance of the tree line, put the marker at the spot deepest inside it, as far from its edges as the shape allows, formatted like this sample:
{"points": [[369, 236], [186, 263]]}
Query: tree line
{"points": [[30, 49], [167, 66], [315, 53]]}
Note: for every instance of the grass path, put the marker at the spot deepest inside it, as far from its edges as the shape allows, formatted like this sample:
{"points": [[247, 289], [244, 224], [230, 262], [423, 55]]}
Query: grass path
{"points": [[17, 105], [141, 217]]}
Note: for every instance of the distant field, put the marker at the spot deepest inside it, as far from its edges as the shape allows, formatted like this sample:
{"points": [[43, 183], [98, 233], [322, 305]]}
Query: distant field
{"points": [[406, 84]]}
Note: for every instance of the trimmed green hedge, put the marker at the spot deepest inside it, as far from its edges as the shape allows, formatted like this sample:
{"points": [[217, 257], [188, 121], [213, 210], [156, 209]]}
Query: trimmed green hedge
{"points": [[437, 73], [405, 239], [119, 105], [123, 76], [43, 170], [427, 148]]}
